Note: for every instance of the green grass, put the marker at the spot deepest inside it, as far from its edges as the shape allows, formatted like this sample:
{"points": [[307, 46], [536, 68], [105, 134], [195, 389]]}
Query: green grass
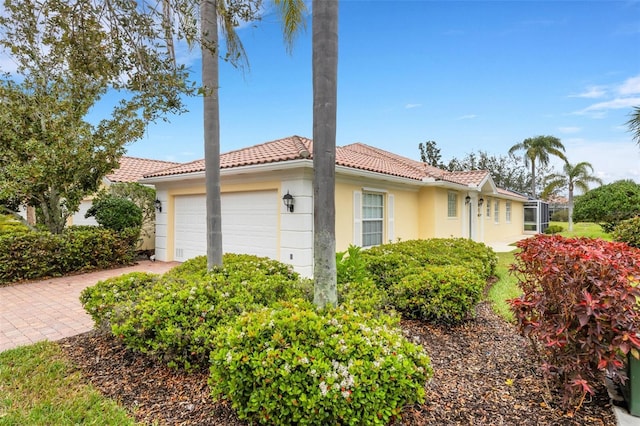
{"points": [[507, 285], [583, 229], [505, 288], [39, 387]]}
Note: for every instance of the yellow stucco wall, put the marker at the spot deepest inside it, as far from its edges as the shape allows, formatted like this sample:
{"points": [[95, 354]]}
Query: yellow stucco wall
{"points": [[502, 230], [406, 211]]}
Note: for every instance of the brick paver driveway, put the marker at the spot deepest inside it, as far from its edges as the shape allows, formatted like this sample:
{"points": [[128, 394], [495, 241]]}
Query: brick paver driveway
{"points": [[50, 309]]}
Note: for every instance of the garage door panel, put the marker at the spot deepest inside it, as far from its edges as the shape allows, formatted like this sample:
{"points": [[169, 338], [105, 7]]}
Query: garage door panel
{"points": [[249, 224]]}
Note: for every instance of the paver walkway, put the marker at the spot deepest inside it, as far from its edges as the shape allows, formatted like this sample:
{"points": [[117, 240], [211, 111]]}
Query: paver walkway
{"points": [[50, 309]]}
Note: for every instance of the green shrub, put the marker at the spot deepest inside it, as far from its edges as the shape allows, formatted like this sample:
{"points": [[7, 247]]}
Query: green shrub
{"points": [[553, 229], [438, 293], [387, 264], [32, 255], [560, 215], [350, 266], [115, 213], [176, 318], [363, 296], [101, 299], [628, 231], [291, 365], [10, 225]]}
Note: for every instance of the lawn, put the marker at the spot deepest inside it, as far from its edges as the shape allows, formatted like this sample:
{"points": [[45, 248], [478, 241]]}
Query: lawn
{"points": [[38, 386], [583, 229]]}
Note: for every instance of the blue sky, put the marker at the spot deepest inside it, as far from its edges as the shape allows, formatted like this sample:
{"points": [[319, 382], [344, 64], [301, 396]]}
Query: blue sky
{"points": [[469, 75]]}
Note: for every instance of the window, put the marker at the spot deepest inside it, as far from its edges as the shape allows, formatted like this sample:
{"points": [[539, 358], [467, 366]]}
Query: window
{"points": [[488, 215], [496, 211], [507, 211], [372, 219], [452, 205]]}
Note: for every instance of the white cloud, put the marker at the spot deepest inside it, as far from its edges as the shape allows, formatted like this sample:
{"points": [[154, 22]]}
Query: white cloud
{"points": [[467, 117], [592, 92], [569, 129], [410, 106], [631, 86], [611, 160]]}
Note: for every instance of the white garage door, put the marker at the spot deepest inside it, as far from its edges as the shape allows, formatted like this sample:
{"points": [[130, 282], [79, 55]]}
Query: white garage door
{"points": [[249, 224]]}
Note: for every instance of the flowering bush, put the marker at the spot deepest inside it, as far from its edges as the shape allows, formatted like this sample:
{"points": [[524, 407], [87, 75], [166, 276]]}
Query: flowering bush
{"points": [[291, 365], [176, 318], [581, 305]]}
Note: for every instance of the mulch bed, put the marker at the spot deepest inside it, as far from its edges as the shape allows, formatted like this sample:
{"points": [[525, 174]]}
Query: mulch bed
{"points": [[484, 374]]}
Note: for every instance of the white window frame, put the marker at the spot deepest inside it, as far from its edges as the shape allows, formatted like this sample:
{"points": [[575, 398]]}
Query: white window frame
{"points": [[488, 211], [451, 205], [496, 211], [365, 220], [507, 211]]}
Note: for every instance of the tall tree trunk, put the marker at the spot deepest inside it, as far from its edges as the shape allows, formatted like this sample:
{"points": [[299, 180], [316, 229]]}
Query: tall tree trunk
{"points": [[570, 201], [325, 88], [210, 79], [31, 215], [533, 178]]}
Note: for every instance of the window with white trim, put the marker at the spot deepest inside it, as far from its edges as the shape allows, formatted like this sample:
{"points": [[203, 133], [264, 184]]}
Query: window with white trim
{"points": [[452, 204], [496, 211], [372, 219], [488, 215], [507, 211]]}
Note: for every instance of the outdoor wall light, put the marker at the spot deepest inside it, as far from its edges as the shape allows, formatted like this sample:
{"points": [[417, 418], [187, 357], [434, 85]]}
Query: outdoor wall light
{"points": [[467, 199], [158, 205], [288, 201], [480, 202]]}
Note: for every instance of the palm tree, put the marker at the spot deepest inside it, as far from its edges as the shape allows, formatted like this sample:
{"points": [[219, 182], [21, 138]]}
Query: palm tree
{"points": [[538, 148], [574, 176], [325, 88], [634, 124], [212, 12]]}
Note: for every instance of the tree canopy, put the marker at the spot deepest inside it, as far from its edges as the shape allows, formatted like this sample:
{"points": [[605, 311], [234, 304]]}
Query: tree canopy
{"points": [[609, 204], [634, 124], [68, 57], [573, 176], [538, 150]]}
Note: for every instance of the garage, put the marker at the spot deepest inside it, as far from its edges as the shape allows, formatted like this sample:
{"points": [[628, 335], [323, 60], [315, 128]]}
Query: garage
{"points": [[249, 224]]}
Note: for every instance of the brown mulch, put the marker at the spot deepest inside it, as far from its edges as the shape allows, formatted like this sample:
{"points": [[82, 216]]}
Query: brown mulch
{"points": [[484, 374]]}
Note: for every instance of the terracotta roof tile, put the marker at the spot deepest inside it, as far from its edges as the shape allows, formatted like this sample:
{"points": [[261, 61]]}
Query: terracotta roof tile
{"points": [[133, 169], [357, 156], [473, 177]]}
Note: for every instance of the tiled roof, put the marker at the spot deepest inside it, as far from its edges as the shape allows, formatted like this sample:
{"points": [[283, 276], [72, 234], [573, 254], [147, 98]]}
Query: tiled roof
{"points": [[133, 169], [511, 193], [356, 156]]}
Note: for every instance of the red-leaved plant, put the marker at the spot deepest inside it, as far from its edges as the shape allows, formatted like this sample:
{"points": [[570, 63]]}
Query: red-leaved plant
{"points": [[580, 307]]}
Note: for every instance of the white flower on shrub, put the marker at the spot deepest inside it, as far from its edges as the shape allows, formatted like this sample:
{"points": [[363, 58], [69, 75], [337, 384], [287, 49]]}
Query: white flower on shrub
{"points": [[323, 388]]}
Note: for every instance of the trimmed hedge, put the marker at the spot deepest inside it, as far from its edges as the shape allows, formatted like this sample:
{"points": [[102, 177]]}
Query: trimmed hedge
{"points": [[387, 264], [33, 255], [444, 294]]}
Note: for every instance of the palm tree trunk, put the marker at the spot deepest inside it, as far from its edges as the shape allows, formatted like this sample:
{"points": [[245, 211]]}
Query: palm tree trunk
{"points": [[533, 178], [570, 206], [325, 88], [210, 79]]}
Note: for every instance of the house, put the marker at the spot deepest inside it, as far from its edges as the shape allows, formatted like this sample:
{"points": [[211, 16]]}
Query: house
{"points": [[380, 197], [131, 169]]}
